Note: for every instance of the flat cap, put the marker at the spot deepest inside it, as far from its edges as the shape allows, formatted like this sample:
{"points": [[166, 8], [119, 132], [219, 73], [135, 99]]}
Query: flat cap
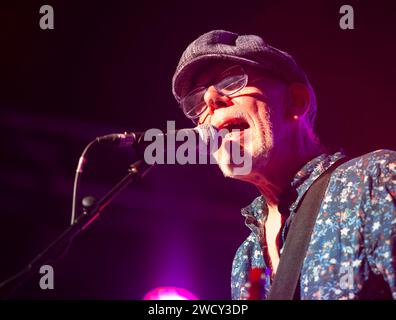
{"points": [[229, 46]]}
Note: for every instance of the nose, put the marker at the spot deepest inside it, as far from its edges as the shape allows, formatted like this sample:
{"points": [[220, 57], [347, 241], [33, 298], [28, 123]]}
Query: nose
{"points": [[215, 100]]}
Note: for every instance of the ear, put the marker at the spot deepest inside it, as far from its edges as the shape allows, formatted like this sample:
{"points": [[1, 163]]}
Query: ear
{"points": [[298, 100]]}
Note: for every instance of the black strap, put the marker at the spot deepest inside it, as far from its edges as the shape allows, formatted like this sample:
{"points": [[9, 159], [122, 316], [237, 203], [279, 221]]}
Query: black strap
{"points": [[298, 238]]}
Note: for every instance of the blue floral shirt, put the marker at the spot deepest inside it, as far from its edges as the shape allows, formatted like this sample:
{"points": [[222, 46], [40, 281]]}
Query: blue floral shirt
{"points": [[352, 251]]}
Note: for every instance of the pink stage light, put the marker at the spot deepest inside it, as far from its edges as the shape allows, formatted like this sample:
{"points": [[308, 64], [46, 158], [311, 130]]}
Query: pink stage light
{"points": [[169, 293]]}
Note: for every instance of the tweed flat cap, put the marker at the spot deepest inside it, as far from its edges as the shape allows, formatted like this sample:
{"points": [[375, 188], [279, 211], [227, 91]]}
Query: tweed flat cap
{"points": [[229, 46]]}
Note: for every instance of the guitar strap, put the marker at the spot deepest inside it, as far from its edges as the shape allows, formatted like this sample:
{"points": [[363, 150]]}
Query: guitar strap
{"points": [[298, 238]]}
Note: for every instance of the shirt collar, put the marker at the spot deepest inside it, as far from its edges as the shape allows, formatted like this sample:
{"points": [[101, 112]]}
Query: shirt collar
{"points": [[310, 172], [255, 214]]}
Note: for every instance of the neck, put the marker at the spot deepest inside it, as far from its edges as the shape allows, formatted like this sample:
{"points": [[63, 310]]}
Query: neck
{"points": [[280, 168]]}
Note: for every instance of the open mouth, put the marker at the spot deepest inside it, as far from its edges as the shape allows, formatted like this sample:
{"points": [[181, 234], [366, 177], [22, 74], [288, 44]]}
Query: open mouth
{"points": [[235, 124]]}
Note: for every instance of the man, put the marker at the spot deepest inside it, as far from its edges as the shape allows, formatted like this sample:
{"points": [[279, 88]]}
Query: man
{"points": [[239, 82]]}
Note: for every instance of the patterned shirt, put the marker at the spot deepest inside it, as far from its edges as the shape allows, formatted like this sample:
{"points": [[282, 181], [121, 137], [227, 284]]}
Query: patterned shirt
{"points": [[352, 250]]}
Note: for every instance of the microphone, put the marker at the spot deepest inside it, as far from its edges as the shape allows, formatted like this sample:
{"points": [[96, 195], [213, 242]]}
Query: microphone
{"points": [[203, 136]]}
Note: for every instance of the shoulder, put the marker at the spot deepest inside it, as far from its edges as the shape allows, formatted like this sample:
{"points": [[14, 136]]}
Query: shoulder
{"points": [[374, 164], [366, 182], [380, 156]]}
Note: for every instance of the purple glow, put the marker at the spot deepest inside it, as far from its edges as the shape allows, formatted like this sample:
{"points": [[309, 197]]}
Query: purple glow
{"points": [[169, 293]]}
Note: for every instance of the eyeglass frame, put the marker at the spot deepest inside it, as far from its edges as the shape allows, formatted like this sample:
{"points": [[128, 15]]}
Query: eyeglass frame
{"points": [[204, 89]]}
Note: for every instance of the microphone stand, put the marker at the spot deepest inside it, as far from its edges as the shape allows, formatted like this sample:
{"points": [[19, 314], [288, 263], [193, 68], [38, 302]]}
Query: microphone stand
{"points": [[56, 248]]}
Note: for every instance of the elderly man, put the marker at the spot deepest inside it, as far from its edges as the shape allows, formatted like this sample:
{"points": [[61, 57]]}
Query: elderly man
{"points": [[240, 83]]}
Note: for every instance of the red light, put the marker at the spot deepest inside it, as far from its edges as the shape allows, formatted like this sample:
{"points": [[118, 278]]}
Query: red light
{"points": [[169, 293]]}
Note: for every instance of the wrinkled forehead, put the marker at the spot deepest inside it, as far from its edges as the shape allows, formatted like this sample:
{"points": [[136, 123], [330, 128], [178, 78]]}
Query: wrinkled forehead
{"points": [[208, 73]]}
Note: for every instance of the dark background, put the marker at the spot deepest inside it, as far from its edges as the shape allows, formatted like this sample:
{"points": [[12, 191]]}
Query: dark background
{"points": [[107, 67]]}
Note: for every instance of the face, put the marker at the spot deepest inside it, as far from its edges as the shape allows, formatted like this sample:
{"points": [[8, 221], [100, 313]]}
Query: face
{"points": [[254, 116]]}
